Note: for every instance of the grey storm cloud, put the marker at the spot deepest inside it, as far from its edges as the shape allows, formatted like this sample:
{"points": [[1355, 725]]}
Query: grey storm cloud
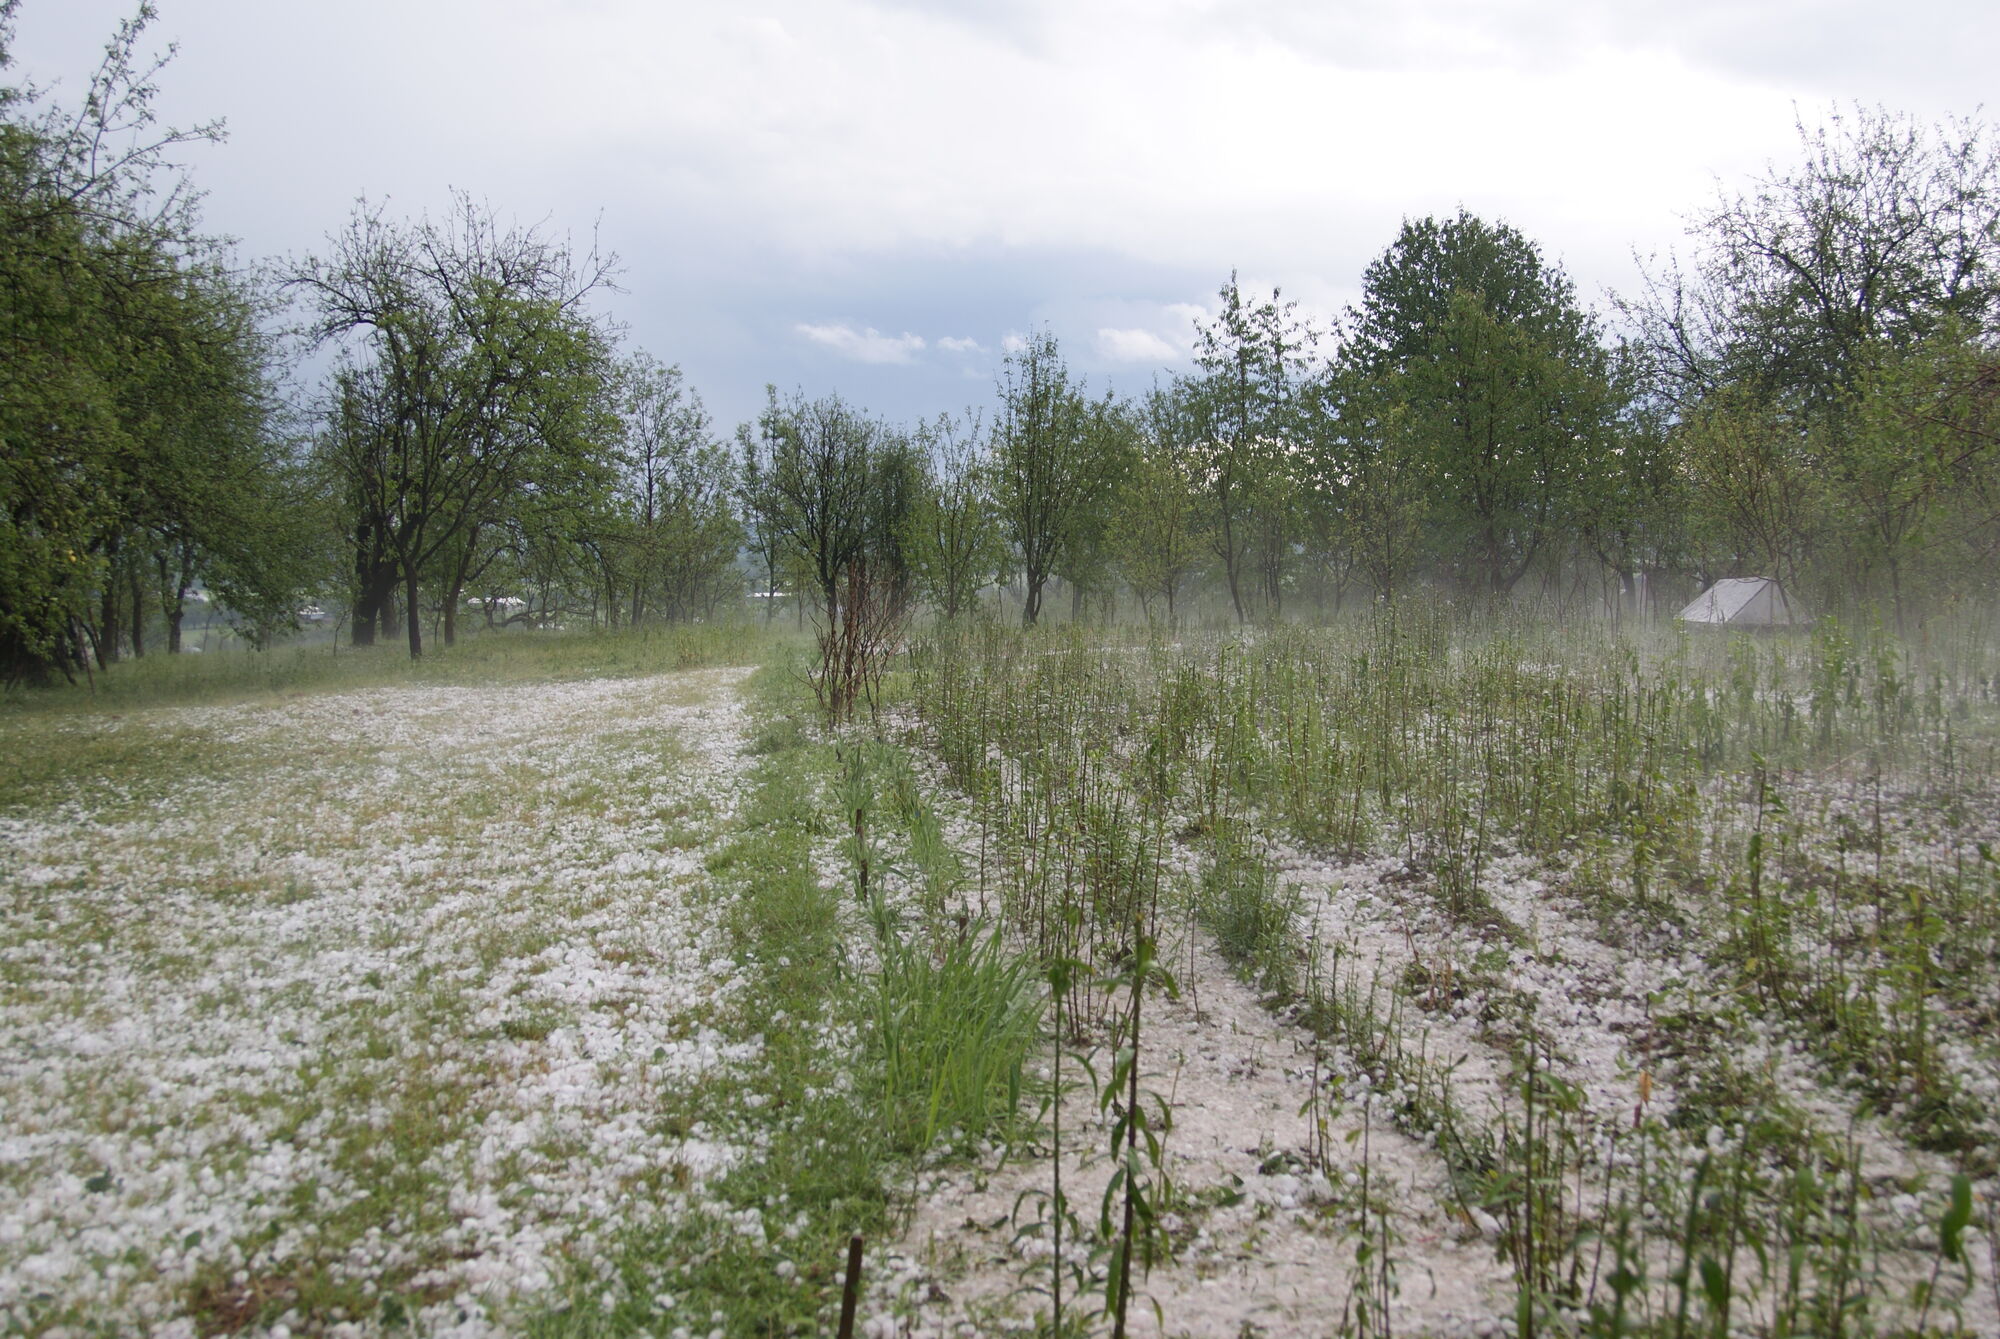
{"points": [[873, 196]]}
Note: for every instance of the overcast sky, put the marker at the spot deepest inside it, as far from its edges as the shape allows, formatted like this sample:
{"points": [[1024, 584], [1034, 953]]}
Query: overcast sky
{"points": [[873, 196]]}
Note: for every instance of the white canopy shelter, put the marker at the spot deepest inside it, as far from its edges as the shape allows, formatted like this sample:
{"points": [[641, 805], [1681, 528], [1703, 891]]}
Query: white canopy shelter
{"points": [[1743, 602]]}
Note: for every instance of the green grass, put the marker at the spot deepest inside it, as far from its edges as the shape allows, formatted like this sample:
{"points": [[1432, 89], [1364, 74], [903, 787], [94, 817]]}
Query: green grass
{"points": [[862, 1071], [951, 1032], [239, 674]]}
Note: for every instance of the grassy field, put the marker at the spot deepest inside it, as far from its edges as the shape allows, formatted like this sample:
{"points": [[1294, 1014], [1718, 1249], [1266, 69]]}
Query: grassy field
{"points": [[1407, 977]]}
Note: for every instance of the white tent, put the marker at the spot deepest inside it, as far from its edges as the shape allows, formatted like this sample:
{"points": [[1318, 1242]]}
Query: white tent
{"points": [[1743, 602]]}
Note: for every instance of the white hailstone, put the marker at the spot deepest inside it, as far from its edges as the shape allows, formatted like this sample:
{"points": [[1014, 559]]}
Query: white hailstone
{"points": [[1488, 1225]]}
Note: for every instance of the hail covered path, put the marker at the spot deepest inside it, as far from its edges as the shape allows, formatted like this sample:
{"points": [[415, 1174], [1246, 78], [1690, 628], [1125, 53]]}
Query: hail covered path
{"points": [[384, 1001]]}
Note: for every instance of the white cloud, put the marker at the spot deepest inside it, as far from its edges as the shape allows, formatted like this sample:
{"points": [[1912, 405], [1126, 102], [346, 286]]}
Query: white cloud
{"points": [[956, 344], [1012, 342], [1135, 346], [864, 346]]}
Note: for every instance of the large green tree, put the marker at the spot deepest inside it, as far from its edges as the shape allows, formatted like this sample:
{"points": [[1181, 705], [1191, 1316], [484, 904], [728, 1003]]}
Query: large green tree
{"points": [[833, 489], [1160, 536], [1884, 229], [1817, 307], [139, 458], [472, 376], [956, 543], [1502, 375], [678, 533]]}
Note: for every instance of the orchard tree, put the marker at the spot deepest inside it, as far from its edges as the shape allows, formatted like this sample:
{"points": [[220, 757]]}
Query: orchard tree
{"points": [[1253, 359], [470, 374], [1501, 375], [1884, 231], [832, 490], [138, 455], [1757, 505], [1087, 560], [1818, 308], [1159, 525], [956, 542], [677, 534], [1052, 476], [1919, 464], [1366, 469]]}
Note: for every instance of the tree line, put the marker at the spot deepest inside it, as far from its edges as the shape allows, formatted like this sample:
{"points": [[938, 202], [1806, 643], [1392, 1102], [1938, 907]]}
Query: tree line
{"points": [[1809, 394], [1813, 395]]}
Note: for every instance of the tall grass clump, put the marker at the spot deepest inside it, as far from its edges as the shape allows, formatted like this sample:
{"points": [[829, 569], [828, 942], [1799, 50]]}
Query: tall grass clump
{"points": [[1250, 913], [950, 1029]]}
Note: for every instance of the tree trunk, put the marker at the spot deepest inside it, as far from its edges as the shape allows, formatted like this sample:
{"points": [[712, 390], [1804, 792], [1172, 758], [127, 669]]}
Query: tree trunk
{"points": [[1229, 565], [410, 618], [375, 603], [138, 593], [389, 624], [107, 634], [173, 600]]}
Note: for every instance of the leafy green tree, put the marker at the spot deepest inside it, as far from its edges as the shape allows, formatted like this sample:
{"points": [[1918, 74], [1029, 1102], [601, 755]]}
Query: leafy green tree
{"points": [[1087, 560], [1885, 230], [135, 413], [1818, 306], [471, 376], [956, 542], [1366, 478], [1253, 358], [1758, 505], [1050, 474], [679, 535], [1159, 522], [833, 489], [212, 496], [1634, 517], [812, 469], [1501, 374], [1916, 468]]}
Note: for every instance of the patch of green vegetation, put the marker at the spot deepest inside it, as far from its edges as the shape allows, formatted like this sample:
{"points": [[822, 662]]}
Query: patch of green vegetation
{"points": [[239, 674], [820, 1171], [860, 1073], [53, 760], [1253, 917]]}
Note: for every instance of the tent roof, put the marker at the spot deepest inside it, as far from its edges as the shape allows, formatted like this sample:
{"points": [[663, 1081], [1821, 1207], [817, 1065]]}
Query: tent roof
{"points": [[1747, 601]]}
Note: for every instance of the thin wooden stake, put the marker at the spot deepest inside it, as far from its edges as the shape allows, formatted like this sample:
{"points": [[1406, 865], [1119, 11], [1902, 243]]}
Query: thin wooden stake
{"points": [[850, 1292]]}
